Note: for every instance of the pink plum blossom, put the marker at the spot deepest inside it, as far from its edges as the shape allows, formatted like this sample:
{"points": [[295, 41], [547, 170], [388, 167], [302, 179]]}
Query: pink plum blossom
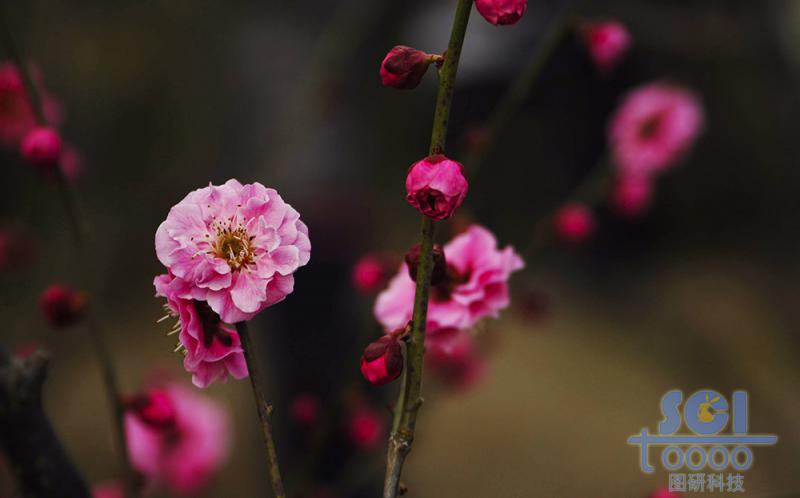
{"points": [[235, 246], [501, 12], [574, 223], [16, 114], [183, 456], [653, 128], [607, 42], [476, 285], [212, 350], [436, 186]]}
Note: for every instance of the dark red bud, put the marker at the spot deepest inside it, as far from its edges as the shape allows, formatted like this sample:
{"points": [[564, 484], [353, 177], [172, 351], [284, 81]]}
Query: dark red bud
{"points": [[439, 271], [382, 361], [403, 67], [62, 306]]}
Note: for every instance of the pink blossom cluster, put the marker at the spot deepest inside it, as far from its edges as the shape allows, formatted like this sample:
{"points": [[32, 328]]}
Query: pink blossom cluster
{"points": [[230, 252], [177, 439]]}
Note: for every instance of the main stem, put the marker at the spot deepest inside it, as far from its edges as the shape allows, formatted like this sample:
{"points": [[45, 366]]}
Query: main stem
{"points": [[409, 399], [77, 227], [264, 410]]}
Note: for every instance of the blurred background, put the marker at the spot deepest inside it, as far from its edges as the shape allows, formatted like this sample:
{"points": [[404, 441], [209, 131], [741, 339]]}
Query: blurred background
{"points": [[163, 96]]}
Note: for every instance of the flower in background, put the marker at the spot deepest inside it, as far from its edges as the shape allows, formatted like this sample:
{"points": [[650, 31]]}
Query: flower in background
{"points": [[110, 489], [62, 306], [212, 349], [632, 195], [365, 427], [305, 408], [451, 357], [71, 162], [607, 42], [235, 246], [501, 12], [665, 493], [369, 273], [574, 223], [41, 148], [436, 186], [653, 128], [475, 287], [403, 67], [185, 455], [16, 114]]}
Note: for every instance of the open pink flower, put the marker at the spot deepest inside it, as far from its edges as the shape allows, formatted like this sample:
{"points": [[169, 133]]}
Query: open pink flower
{"points": [[607, 41], [476, 285], [183, 456], [212, 350], [16, 114], [653, 128], [236, 246]]}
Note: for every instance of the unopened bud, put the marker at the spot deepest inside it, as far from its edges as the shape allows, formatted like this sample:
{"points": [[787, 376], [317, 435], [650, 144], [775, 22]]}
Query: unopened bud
{"points": [[41, 148], [439, 270], [382, 361], [403, 67]]}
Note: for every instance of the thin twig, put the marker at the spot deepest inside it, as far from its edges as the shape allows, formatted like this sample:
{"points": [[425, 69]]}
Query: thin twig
{"points": [[264, 410], [79, 232], [409, 399]]}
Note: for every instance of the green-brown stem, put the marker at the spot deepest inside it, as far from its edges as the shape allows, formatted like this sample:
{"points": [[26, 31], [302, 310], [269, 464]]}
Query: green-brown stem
{"points": [[264, 410], [409, 399], [77, 227]]}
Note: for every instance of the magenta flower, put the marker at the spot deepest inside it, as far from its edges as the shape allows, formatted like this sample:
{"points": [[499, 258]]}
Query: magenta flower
{"points": [[369, 274], [16, 114], [41, 148], [631, 195], [235, 246], [607, 41], [365, 427], [436, 186], [403, 67], [574, 223], [475, 287], [653, 128], [501, 12], [212, 350], [183, 456]]}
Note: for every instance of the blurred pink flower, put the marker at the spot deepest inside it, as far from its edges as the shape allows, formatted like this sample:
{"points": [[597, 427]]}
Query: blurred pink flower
{"points": [[436, 186], [403, 67], [653, 128], [41, 148], [631, 195], [607, 41], [365, 427], [62, 305], [369, 274], [574, 223], [16, 114], [305, 408], [71, 162], [476, 285], [501, 12], [110, 489], [212, 350], [451, 357], [236, 246], [186, 455]]}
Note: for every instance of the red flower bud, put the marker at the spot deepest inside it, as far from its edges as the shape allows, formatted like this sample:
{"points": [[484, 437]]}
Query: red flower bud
{"points": [[436, 186], [382, 361], [404, 67], [62, 306], [41, 148], [501, 12], [154, 408], [632, 195], [574, 223], [439, 264], [368, 274], [365, 428]]}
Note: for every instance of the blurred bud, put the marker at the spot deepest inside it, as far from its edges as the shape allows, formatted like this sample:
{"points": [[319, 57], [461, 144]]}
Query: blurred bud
{"points": [[574, 223], [369, 274], [439, 271], [607, 42], [665, 493], [155, 408], [632, 195], [62, 306], [71, 162], [501, 12], [41, 148], [365, 428], [304, 409], [382, 361], [403, 67], [436, 186], [110, 489]]}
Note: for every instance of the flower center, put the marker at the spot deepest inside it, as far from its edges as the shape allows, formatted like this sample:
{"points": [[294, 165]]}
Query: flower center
{"points": [[649, 128], [233, 245]]}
